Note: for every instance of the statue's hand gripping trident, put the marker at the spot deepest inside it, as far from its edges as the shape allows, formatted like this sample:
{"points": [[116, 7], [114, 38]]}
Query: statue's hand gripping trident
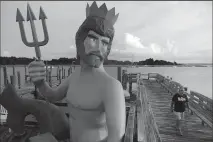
{"points": [[31, 17]]}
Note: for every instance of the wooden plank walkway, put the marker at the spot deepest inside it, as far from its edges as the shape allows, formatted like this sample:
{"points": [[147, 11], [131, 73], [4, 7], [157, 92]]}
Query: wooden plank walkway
{"points": [[160, 101]]}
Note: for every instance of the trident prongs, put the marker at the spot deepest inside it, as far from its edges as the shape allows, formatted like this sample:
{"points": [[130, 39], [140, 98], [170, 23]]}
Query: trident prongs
{"points": [[31, 17]]}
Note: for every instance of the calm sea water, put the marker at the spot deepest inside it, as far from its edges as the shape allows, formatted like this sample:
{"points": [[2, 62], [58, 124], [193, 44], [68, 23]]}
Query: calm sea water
{"points": [[198, 79]]}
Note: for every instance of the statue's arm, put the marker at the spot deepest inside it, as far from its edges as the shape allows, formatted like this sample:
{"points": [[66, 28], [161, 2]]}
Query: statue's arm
{"points": [[115, 109], [54, 94]]}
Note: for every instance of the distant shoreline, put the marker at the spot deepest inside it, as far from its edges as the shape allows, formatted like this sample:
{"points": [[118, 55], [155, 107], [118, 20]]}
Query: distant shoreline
{"points": [[124, 65]]}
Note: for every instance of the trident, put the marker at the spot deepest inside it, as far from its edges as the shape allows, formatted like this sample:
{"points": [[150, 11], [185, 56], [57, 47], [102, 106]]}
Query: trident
{"points": [[36, 44], [31, 17]]}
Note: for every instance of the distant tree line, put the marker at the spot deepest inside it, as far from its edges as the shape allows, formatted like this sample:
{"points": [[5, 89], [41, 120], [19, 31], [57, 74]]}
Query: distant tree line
{"points": [[66, 61]]}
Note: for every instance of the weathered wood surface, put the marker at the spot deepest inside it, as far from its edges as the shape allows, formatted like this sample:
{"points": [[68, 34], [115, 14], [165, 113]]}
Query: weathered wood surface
{"points": [[147, 128], [198, 104], [160, 101], [129, 134]]}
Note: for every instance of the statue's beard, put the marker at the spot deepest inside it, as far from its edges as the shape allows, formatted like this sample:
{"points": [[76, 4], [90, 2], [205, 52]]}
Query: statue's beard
{"points": [[94, 59]]}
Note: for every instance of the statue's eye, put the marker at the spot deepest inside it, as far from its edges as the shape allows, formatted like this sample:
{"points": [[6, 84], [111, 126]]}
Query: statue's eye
{"points": [[92, 38], [105, 43]]}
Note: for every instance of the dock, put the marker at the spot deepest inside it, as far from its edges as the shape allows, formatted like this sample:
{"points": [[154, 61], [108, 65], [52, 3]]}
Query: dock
{"points": [[148, 114], [160, 101]]}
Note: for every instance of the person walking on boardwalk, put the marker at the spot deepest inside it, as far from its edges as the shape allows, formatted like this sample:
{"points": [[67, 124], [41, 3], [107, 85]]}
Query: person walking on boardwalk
{"points": [[178, 105], [95, 99]]}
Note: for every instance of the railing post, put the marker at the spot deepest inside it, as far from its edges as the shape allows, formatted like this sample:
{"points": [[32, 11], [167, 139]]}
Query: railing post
{"points": [[119, 73]]}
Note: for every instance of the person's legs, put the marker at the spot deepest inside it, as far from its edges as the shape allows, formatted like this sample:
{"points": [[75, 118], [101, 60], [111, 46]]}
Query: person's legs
{"points": [[178, 118], [178, 121], [181, 122]]}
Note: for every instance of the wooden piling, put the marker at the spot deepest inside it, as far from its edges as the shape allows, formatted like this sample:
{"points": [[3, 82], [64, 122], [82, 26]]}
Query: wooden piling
{"points": [[25, 74], [50, 76], [46, 67], [14, 72], [124, 80], [14, 76], [19, 79], [59, 76], [71, 69], [62, 72], [5, 76], [119, 73], [130, 84], [68, 72], [57, 73], [12, 80]]}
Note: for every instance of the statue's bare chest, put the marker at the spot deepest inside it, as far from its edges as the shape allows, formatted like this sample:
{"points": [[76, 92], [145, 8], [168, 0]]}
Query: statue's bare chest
{"points": [[84, 94]]}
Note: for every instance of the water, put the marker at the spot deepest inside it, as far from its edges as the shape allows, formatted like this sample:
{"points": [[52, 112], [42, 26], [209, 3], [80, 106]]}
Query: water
{"points": [[198, 79]]}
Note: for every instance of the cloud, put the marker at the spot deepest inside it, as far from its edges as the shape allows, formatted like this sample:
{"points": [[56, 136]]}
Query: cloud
{"points": [[72, 47], [157, 49], [171, 48], [174, 2], [6, 53], [133, 41], [168, 30]]}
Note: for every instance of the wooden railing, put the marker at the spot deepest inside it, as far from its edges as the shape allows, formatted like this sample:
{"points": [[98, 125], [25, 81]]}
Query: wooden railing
{"points": [[198, 103], [130, 128], [202, 107], [146, 125]]}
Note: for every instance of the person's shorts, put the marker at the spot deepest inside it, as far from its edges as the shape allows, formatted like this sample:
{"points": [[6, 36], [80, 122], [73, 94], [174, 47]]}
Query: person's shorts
{"points": [[179, 115]]}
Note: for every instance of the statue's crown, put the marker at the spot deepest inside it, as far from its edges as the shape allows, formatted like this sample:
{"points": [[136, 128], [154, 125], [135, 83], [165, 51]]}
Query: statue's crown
{"points": [[102, 12]]}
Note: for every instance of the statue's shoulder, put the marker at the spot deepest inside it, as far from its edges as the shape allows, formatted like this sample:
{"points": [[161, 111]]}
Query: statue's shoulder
{"points": [[112, 83], [73, 77]]}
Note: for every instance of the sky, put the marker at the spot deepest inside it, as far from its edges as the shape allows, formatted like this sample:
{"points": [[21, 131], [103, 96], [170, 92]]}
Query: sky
{"points": [[178, 31]]}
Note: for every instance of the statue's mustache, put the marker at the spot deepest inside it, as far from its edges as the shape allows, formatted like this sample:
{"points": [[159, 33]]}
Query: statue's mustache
{"points": [[97, 53]]}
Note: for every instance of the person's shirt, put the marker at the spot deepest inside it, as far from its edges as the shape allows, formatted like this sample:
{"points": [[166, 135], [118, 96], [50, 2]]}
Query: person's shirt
{"points": [[179, 102]]}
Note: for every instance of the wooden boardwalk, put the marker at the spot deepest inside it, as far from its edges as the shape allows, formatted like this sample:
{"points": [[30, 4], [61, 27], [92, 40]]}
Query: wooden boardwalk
{"points": [[160, 101]]}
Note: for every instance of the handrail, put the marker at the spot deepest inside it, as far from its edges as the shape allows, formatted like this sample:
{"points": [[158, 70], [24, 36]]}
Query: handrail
{"points": [[129, 134], [147, 125]]}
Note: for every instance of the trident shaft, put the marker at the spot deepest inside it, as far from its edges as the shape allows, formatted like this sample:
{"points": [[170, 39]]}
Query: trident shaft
{"points": [[31, 17]]}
